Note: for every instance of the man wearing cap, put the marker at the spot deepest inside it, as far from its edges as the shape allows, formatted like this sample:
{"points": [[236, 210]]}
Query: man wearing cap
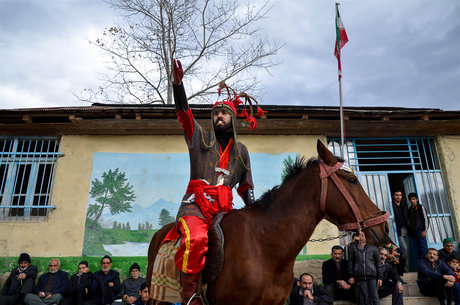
{"points": [[218, 162], [447, 250], [20, 282], [418, 225], [105, 285], [50, 287], [80, 283], [131, 286]]}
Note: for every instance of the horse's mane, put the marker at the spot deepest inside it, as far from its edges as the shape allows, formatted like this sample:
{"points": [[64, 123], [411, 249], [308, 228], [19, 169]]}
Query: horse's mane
{"points": [[292, 171]]}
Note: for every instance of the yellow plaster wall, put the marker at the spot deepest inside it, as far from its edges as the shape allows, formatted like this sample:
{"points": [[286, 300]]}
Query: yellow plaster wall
{"points": [[449, 153], [63, 232]]}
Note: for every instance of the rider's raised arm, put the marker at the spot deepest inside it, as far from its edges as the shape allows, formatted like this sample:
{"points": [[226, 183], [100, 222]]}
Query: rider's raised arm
{"points": [[246, 186], [184, 114]]}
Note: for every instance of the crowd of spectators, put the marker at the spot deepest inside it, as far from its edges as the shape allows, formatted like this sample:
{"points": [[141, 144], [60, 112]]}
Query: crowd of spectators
{"points": [[102, 287], [362, 274]]}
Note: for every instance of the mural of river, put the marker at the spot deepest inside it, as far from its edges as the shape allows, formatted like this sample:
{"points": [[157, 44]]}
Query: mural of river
{"points": [[128, 249]]}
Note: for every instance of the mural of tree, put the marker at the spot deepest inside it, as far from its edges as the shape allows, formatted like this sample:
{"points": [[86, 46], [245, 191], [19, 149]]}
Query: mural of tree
{"points": [[287, 163], [165, 218], [113, 192]]}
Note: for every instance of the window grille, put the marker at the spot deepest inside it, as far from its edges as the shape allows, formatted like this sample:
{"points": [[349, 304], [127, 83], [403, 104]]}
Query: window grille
{"points": [[27, 166]]}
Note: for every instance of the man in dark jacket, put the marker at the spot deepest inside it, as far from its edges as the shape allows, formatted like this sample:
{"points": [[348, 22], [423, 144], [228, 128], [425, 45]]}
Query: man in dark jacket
{"points": [[20, 282], [50, 287], [392, 282], [131, 286], [105, 285], [78, 290], [418, 225], [308, 293], [402, 229], [447, 252], [435, 278], [335, 277], [365, 269]]}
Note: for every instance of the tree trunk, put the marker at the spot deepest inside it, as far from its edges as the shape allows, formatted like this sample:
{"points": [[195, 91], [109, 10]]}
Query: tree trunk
{"points": [[97, 217]]}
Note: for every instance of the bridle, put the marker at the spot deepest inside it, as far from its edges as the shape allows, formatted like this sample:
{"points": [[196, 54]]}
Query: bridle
{"points": [[326, 171]]}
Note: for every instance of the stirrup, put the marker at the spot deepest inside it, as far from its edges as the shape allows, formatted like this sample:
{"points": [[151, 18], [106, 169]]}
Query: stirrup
{"points": [[199, 296]]}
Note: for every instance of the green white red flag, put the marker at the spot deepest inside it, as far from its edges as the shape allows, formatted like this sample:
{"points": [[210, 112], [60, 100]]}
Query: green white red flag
{"points": [[341, 39]]}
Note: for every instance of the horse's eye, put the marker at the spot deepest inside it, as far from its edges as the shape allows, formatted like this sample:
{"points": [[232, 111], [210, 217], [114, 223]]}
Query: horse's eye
{"points": [[352, 180]]}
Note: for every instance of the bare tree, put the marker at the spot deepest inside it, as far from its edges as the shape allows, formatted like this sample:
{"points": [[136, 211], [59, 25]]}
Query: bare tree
{"points": [[216, 40]]}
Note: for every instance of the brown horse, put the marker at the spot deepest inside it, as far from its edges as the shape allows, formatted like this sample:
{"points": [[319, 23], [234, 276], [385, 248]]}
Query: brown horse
{"points": [[263, 240]]}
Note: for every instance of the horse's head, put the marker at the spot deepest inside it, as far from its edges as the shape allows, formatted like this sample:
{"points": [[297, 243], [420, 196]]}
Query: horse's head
{"points": [[348, 205]]}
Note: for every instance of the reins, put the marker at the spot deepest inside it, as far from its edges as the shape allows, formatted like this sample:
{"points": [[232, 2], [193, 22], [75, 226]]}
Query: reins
{"points": [[326, 171]]}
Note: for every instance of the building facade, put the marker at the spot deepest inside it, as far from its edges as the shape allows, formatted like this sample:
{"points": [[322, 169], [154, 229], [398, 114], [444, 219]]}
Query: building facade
{"points": [[55, 162]]}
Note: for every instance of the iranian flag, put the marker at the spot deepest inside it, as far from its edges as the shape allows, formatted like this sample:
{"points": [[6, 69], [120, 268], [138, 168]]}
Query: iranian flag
{"points": [[341, 39]]}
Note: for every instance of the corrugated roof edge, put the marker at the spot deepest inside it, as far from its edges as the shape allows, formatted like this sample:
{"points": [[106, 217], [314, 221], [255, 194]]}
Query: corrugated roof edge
{"points": [[205, 107]]}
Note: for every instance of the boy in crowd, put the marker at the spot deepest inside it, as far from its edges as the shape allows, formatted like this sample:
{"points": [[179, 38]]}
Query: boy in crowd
{"points": [[418, 225]]}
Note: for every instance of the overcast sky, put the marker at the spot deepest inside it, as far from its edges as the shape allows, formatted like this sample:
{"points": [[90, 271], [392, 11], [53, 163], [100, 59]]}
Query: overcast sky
{"points": [[400, 53]]}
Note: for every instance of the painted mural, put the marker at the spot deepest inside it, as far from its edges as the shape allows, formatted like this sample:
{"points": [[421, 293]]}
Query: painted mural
{"points": [[132, 195]]}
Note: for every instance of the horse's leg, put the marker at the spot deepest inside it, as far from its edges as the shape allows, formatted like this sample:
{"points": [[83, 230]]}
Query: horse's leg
{"points": [[154, 246]]}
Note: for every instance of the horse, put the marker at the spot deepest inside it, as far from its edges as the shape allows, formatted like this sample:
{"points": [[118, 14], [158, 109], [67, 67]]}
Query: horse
{"points": [[263, 240]]}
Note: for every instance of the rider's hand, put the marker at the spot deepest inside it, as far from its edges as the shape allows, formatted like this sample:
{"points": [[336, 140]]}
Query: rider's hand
{"points": [[177, 72]]}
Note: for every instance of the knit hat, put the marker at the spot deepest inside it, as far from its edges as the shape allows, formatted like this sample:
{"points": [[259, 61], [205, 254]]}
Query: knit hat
{"points": [[106, 256], [24, 257], [134, 266], [447, 240]]}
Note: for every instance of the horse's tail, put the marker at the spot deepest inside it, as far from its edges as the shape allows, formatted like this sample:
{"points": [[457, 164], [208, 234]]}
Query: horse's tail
{"points": [[154, 246]]}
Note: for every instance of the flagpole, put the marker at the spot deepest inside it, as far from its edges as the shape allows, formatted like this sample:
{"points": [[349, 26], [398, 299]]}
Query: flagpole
{"points": [[340, 42], [342, 125]]}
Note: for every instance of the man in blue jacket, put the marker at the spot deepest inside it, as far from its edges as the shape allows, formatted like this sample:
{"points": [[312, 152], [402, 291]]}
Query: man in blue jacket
{"points": [[50, 287], [435, 278]]}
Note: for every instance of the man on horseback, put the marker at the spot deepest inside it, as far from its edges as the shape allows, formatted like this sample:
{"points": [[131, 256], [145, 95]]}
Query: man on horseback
{"points": [[217, 163]]}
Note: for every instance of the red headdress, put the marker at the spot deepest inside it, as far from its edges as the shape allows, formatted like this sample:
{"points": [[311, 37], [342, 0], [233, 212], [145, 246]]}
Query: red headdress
{"points": [[233, 101]]}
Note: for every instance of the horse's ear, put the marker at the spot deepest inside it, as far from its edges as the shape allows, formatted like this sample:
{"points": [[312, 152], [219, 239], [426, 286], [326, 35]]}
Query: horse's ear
{"points": [[324, 154]]}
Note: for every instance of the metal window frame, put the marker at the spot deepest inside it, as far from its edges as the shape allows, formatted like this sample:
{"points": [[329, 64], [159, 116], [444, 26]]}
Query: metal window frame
{"points": [[13, 157]]}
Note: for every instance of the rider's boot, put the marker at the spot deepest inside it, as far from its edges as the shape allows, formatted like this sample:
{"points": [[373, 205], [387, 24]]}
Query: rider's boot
{"points": [[189, 287]]}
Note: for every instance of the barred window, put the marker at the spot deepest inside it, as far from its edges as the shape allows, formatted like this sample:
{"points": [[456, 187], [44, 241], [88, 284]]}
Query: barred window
{"points": [[27, 166]]}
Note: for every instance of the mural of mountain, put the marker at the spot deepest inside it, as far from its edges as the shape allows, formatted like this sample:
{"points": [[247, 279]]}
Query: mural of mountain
{"points": [[140, 214]]}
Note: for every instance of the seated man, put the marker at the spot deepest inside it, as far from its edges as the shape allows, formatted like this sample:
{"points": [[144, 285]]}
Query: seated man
{"points": [[144, 295], [447, 250], [131, 286], [50, 287], [78, 290], [454, 264], [308, 293], [105, 285], [391, 282], [435, 278], [335, 277], [20, 282]]}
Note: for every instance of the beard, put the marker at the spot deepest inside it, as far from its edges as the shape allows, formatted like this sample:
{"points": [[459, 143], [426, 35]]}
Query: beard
{"points": [[220, 126], [54, 271]]}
